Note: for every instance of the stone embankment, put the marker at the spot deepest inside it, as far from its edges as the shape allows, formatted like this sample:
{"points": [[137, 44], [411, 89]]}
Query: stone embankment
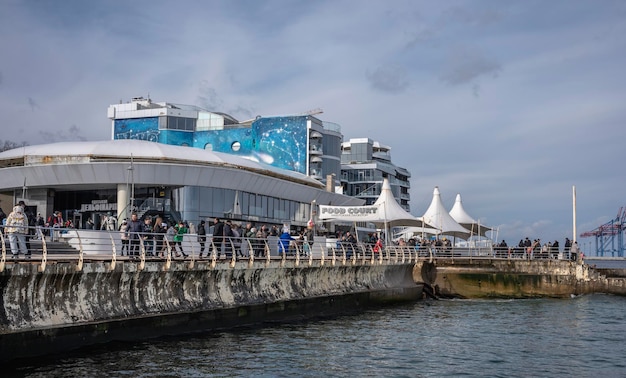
{"points": [[66, 307], [513, 278]]}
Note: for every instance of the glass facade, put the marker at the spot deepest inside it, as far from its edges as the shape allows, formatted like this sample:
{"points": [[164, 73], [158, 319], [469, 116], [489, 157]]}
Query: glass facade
{"points": [[201, 203]]}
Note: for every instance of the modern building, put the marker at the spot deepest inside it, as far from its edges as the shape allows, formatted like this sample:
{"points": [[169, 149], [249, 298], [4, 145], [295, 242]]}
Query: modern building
{"points": [[300, 143], [89, 179], [364, 165]]}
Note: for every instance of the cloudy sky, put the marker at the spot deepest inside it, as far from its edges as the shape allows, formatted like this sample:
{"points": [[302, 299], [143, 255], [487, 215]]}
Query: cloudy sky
{"points": [[509, 103]]}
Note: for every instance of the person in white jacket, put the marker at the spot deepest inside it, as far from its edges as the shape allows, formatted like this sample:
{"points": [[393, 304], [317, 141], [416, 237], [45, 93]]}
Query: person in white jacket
{"points": [[17, 229]]}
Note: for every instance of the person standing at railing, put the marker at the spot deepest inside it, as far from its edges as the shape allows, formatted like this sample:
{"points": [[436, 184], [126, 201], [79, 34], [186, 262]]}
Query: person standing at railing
{"points": [[201, 237], [218, 235], [17, 228], [148, 237], [284, 240], [125, 236], [39, 225], [159, 229], [55, 222], [135, 227], [181, 230]]}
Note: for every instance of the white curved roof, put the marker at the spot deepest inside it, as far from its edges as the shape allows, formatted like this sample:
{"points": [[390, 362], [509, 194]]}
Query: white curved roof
{"points": [[437, 216], [106, 164]]}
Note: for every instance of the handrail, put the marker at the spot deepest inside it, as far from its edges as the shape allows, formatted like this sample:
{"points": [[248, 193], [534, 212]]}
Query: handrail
{"points": [[81, 245]]}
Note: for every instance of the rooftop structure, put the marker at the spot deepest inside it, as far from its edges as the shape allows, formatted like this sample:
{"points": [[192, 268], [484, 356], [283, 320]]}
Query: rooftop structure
{"points": [[364, 165]]}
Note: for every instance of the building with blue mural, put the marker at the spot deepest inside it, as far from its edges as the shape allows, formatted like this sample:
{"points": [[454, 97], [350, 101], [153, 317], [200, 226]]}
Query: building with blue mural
{"points": [[300, 143]]}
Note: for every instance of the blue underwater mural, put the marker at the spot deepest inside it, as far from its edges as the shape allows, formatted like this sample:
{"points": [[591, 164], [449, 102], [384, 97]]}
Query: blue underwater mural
{"points": [[278, 141]]}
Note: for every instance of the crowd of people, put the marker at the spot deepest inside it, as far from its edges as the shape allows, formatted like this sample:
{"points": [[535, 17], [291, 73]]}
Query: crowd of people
{"points": [[535, 249], [230, 238]]}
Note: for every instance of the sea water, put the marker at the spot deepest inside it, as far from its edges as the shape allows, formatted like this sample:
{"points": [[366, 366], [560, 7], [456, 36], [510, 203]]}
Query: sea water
{"points": [[574, 337]]}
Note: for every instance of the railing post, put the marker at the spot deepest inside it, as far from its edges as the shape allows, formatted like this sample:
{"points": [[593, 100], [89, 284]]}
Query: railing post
{"points": [[142, 253], [213, 254], [233, 252], [79, 266], [193, 255], [311, 254], [297, 255], [250, 253], [114, 256], [284, 259], [44, 255], [3, 259], [266, 249]]}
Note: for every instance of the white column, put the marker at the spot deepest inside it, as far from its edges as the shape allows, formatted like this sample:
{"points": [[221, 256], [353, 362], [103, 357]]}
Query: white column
{"points": [[122, 202]]}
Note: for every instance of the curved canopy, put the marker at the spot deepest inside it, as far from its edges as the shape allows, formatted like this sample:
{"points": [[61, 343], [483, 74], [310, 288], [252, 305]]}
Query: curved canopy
{"points": [[385, 211], [459, 214], [437, 216]]}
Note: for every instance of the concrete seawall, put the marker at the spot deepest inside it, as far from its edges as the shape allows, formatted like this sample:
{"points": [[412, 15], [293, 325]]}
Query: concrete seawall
{"points": [[513, 278], [62, 308]]}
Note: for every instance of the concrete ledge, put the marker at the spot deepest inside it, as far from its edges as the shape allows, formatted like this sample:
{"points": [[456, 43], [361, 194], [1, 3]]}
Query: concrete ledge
{"points": [[515, 278], [62, 308]]}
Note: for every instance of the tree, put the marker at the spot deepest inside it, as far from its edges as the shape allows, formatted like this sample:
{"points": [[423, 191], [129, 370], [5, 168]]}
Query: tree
{"points": [[9, 145]]}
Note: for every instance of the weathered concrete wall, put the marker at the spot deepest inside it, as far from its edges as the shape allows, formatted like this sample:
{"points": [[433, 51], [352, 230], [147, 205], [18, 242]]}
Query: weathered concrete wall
{"points": [[515, 278], [63, 307]]}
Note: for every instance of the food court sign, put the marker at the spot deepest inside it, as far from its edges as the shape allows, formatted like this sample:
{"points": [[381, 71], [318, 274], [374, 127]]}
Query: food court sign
{"points": [[347, 212]]}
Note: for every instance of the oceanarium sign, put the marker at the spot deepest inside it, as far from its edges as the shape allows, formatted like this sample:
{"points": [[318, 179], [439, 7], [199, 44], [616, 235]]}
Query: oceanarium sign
{"points": [[347, 212]]}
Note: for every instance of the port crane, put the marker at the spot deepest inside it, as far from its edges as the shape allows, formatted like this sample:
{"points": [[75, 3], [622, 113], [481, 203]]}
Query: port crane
{"points": [[609, 237]]}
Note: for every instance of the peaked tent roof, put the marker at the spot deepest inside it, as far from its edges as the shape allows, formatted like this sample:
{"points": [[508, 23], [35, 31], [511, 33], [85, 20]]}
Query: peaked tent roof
{"points": [[459, 214], [437, 216], [388, 211], [391, 210]]}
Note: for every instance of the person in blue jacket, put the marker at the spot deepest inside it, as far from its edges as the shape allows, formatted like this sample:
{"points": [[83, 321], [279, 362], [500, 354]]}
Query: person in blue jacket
{"points": [[284, 240]]}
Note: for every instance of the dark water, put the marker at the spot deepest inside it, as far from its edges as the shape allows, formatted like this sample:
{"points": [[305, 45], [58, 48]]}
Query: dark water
{"points": [[576, 337]]}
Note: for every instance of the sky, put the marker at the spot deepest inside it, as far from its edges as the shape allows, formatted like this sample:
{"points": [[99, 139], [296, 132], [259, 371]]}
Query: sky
{"points": [[509, 103]]}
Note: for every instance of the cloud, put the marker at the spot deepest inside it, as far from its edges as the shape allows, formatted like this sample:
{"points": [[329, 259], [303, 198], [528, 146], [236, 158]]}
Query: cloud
{"points": [[33, 105], [73, 133], [389, 78], [465, 65]]}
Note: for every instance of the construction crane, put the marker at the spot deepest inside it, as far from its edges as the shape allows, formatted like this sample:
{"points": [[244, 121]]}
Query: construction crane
{"points": [[609, 237]]}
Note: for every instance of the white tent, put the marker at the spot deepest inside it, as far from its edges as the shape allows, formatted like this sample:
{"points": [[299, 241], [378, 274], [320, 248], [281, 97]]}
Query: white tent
{"points": [[459, 214], [384, 212], [437, 216]]}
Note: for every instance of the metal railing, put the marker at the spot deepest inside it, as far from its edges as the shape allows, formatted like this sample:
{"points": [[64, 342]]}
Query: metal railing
{"points": [[68, 245]]}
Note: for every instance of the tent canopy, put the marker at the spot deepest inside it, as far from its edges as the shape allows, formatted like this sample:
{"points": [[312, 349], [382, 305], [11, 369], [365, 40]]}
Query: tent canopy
{"points": [[385, 211], [459, 214], [437, 216]]}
